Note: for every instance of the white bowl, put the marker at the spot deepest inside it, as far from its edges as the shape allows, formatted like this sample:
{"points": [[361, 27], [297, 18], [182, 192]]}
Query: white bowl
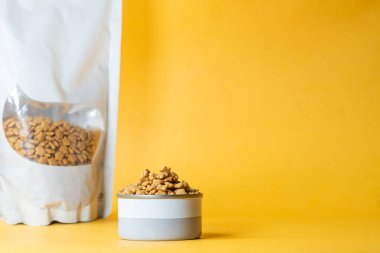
{"points": [[160, 217]]}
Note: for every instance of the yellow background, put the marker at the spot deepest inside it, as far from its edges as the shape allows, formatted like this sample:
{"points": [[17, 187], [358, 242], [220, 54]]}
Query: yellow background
{"points": [[271, 108]]}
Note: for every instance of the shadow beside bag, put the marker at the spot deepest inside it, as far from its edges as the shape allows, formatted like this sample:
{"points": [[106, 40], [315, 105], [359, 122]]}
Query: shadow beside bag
{"points": [[59, 78]]}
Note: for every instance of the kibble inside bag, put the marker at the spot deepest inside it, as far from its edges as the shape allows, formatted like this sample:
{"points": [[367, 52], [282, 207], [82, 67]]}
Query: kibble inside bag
{"points": [[59, 78]]}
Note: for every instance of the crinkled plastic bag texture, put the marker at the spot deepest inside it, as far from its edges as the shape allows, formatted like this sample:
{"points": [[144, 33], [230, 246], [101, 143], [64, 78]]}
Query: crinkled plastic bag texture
{"points": [[60, 64]]}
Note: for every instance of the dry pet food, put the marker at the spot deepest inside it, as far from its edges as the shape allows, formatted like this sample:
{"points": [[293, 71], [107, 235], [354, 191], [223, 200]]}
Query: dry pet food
{"points": [[51, 142], [164, 183], [59, 89]]}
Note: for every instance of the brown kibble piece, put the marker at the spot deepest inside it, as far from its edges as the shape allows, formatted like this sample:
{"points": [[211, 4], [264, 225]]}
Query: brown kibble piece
{"points": [[40, 151], [168, 179], [40, 137], [72, 158], [145, 183], [58, 134], [52, 161], [146, 173], [12, 139], [21, 152], [18, 145], [178, 186], [66, 141], [156, 182], [59, 156], [185, 184], [169, 185], [180, 191], [153, 192], [65, 161], [81, 146], [160, 193], [163, 175], [43, 160]]}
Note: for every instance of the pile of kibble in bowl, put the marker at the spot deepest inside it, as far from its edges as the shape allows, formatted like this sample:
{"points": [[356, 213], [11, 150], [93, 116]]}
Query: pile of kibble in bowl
{"points": [[164, 183]]}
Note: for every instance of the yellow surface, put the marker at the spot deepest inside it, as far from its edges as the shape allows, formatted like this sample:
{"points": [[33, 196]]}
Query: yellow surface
{"points": [[271, 108], [220, 235]]}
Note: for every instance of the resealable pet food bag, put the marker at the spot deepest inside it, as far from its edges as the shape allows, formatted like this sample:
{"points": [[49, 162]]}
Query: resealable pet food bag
{"points": [[59, 77]]}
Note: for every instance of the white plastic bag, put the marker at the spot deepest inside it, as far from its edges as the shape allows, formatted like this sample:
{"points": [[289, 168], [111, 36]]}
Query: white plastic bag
{"points": [[59, 77]]}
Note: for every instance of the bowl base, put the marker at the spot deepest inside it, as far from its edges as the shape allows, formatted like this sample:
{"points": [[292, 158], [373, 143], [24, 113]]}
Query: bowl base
{"points": [[160, 229]]}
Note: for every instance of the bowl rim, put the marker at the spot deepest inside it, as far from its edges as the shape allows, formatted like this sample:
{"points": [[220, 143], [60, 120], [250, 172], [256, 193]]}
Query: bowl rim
{"points": [[179, 196]]}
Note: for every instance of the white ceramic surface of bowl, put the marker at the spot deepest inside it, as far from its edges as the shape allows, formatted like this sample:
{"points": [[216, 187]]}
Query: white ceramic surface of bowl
{"points": [[160, 217]]}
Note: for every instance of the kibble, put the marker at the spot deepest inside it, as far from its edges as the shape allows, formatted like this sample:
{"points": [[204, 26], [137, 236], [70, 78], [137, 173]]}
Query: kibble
{"points": [[45, 141], [164, 183]]}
